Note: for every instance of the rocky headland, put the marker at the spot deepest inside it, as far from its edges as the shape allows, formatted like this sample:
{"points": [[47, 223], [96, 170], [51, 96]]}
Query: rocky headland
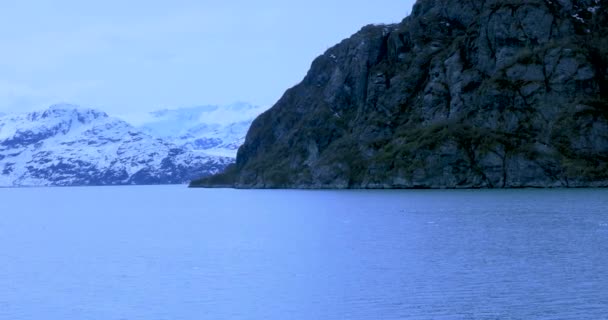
{"points": [[460, 94]]}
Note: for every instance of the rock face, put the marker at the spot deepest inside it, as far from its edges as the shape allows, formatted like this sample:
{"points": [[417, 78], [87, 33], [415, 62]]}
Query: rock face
{"points": [[461, 94], [67, 146]]}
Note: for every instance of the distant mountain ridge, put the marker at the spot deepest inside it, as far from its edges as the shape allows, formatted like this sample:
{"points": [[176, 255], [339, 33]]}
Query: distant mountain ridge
{"points": [[69, 145], [215, 130]]}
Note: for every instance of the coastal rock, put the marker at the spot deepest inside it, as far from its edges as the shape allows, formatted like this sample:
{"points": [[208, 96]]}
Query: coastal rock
{"points": [[460, 94]]}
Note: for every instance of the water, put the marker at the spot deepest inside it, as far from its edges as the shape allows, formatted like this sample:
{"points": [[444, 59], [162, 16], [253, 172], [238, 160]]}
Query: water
{"points": [[173, 253]]}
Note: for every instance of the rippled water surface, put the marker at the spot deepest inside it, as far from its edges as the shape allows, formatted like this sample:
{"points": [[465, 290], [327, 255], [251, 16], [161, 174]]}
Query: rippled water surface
{"points": [[172, 253]]}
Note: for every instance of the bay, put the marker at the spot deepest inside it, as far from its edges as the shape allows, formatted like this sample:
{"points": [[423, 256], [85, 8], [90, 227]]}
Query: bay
{"points": [[168, 252]]}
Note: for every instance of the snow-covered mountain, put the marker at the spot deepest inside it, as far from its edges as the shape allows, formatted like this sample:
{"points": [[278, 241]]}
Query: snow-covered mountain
{"points": [[215, 130], [68, 145]]}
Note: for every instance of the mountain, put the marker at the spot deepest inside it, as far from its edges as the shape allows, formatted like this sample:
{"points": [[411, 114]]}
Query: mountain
{"points": [[67, 145], [460, 94], [216, 130]]}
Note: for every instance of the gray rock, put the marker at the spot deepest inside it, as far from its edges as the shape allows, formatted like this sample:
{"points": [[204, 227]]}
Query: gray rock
{"points": [[461, 94]]}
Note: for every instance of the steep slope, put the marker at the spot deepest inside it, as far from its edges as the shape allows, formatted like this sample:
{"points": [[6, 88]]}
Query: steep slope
{"points": [[216, 130], [461, 94], [67, 145]]}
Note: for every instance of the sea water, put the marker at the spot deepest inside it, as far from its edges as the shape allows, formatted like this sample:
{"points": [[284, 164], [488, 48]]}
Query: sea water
{"points": [[168, 252]]}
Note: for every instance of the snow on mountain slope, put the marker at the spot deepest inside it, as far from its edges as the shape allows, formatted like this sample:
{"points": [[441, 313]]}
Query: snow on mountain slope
{"points": [[212, 129], [68, 145]]}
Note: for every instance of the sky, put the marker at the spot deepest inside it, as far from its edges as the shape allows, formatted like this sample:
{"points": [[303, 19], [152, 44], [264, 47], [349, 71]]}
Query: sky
{"points": [[142, 55]]}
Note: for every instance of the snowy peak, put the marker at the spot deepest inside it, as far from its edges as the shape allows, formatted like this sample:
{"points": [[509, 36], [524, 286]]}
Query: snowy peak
{"points": [[210, 114], [28, 128], [69, 145], [218, 130], [74, 111]]}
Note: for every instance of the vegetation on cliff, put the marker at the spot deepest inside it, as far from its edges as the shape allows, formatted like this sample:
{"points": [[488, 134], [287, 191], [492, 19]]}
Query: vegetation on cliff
{"points": [[461, 94]]}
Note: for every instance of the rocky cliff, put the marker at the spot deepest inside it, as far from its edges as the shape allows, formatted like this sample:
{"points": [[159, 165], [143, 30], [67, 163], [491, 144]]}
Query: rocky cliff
{"points": [[460, 94]]}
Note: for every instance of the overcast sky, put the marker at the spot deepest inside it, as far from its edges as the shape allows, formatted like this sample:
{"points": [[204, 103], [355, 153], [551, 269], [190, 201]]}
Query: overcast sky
{"points": [[130, 56]]}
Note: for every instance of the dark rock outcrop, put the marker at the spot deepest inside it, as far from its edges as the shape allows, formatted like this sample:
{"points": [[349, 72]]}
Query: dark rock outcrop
{"points": [[461, 94]]}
